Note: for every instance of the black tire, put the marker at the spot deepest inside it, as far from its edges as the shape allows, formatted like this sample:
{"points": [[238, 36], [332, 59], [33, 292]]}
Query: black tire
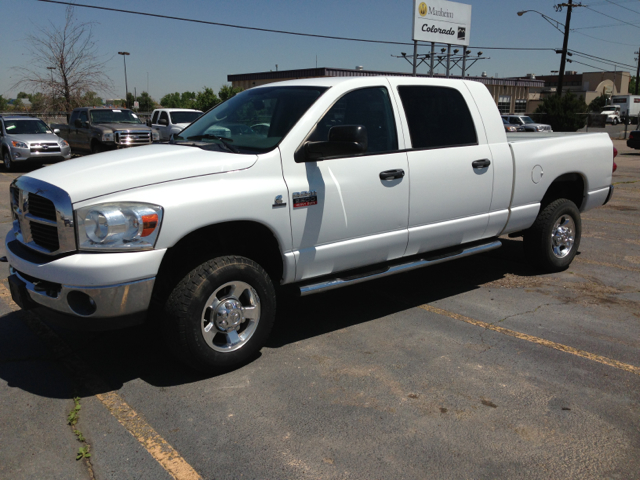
{"points": [[96, 147], [204, 299], [6, 158], [553, 240], [614, 121]]}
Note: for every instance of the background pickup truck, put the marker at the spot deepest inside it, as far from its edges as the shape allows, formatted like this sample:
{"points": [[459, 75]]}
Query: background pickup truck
{"points": [[350, 179], [168, 121], [100, 129]]}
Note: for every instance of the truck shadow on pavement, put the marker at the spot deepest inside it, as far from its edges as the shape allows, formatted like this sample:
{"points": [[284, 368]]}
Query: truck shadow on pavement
{"points": [[29, 362]]}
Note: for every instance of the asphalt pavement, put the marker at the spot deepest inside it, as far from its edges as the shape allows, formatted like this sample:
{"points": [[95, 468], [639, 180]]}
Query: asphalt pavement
{"points": [[479, 368]]}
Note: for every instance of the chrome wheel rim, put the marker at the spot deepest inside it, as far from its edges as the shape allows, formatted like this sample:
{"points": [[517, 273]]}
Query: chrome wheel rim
{"points": [[230, 316], [563, 236]]}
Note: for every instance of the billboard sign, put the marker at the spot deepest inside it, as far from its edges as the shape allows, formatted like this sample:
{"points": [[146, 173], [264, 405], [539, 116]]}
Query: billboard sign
{"points": [[440, 21]]}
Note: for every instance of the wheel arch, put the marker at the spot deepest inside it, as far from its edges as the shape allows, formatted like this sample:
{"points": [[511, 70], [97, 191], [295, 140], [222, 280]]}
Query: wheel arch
{"points": [[249, 239], [571, 186]]}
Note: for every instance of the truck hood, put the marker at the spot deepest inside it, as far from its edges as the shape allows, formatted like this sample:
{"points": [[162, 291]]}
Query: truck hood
{"points": [[104, 173]]}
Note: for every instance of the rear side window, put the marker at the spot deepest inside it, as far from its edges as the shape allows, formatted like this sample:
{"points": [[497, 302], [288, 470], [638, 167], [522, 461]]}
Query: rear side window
{"points": [[438, 117]]}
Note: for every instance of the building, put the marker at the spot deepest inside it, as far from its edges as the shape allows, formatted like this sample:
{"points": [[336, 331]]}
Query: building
{"points": [[587, 86], [510, 94]]}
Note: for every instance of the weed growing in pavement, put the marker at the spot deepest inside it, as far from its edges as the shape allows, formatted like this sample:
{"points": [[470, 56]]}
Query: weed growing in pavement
{"points": [[72, 419]]}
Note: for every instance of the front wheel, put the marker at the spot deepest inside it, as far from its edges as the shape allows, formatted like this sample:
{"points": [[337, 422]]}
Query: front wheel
{"points": [[552, 242], [615, 121], [6, 158], [220, 314]]}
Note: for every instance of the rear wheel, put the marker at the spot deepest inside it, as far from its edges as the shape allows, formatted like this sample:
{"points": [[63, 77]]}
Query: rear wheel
{"points": [[96, 147], [552, 242], [220, 314]]}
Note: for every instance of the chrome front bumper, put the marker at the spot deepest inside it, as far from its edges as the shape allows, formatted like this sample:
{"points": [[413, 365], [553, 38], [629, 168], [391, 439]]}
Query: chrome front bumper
{"points": [[101, 302]]}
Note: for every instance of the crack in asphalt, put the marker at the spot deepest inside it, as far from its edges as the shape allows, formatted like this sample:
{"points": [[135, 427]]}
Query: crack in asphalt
{"points": [[529, 311]]}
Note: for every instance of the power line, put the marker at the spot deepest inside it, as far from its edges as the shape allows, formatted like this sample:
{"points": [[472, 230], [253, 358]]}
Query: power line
{"points": [[603, 60], [609, 16], [598, 26], [168, 17], [614, 3], [604, 40]]}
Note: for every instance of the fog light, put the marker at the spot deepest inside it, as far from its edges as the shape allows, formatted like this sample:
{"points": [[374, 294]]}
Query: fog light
{"points": [[81, 303]]}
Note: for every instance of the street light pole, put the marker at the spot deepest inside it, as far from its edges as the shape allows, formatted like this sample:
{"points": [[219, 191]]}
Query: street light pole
{"points": [[126, 87], [637, 71]]}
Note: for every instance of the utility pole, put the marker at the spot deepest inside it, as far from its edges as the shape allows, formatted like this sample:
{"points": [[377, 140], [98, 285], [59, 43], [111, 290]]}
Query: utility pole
{"points": [[637, 71], [564, 44]]}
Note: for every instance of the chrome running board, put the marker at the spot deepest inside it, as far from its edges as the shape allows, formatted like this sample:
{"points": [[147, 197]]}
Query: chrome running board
{"points": [[392, 270]]}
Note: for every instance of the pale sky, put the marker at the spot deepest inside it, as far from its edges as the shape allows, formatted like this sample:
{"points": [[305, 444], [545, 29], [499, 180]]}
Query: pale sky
{"points": [[181, 56]]}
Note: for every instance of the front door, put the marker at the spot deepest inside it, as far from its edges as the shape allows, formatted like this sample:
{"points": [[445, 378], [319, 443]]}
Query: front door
{"points": [[347, 212]]}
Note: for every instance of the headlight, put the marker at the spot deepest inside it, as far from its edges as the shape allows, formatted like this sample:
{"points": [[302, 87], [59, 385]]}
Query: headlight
{"points": [[155, 135], [540, 128], [107, 137], [63, 143], [122, 226], [19, 144]]}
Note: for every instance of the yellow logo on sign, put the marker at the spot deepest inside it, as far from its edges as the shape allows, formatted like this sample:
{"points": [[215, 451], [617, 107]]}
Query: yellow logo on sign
{"points": [[422, 9]]}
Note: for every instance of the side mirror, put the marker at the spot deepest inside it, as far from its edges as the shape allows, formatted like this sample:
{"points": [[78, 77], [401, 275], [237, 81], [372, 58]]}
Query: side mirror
{"points": [[163, 121], [148, 122], [78, 123], [56, 131], [343, 140]]}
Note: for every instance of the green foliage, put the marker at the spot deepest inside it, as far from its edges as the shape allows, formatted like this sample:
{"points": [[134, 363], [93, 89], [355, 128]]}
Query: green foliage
{"points": [[227, 91], [632, 86], [3, 104], [91, 99], [147, 104], [171, 100], [23, 95], [83, 452], [130, 100], [74, 414], [597, 104], [562, 113], [206, 99], [38, 101]]}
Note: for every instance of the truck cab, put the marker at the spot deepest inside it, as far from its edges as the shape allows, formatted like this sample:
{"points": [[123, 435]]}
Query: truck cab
{"points": [[167, 121]]}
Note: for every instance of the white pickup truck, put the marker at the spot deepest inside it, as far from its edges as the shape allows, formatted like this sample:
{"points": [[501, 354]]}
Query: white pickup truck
{"points": [[346, 180], [169, 121]]}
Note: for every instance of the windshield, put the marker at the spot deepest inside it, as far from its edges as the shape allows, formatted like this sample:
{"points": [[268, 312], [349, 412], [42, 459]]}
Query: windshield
{"points": [[527, 120], [184, 117], [114, 116], [609, 109], [255, 120], [25, 127]]}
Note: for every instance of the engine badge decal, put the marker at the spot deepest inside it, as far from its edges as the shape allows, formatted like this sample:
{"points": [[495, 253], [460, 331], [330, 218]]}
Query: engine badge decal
{"points": [[305, 199]]}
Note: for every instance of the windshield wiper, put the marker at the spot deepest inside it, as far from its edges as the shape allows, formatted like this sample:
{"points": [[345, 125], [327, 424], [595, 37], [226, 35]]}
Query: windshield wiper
{"points": [[225, 141]]}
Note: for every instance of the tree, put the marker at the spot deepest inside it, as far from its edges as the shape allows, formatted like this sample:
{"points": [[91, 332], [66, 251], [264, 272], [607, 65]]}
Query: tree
{"points": [[227, 91], [91, 99], [597, 103], [562, 112], [171, 100], [147, 104], [75, 66], [632, 86], [3, 104], [130, 100], [206, 99], [38, 102]]}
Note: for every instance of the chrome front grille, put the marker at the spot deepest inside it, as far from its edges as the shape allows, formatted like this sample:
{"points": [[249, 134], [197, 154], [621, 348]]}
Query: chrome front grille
{"points": [[44, 147], [126, 137], [43, 216]]}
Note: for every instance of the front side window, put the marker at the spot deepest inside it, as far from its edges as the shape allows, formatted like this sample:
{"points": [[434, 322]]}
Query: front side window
{"points": [[252, 121], [370, 107], [164, 116], [184, 117], [154, 118], [438, 117]]}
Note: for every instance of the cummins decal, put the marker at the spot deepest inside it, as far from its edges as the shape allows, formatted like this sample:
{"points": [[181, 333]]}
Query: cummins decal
{"points": [[305, 199]]}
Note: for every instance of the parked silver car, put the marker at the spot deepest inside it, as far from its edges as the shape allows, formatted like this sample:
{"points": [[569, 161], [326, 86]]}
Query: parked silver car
{"points": [[29, 139], [528, 123]]}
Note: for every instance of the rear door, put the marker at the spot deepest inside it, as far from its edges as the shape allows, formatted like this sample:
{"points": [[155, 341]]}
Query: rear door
{"points": [[450, 164]]}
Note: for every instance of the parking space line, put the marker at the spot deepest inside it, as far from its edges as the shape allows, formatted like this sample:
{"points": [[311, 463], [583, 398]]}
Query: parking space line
{"points": [[530, 338], [158, 447]]}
